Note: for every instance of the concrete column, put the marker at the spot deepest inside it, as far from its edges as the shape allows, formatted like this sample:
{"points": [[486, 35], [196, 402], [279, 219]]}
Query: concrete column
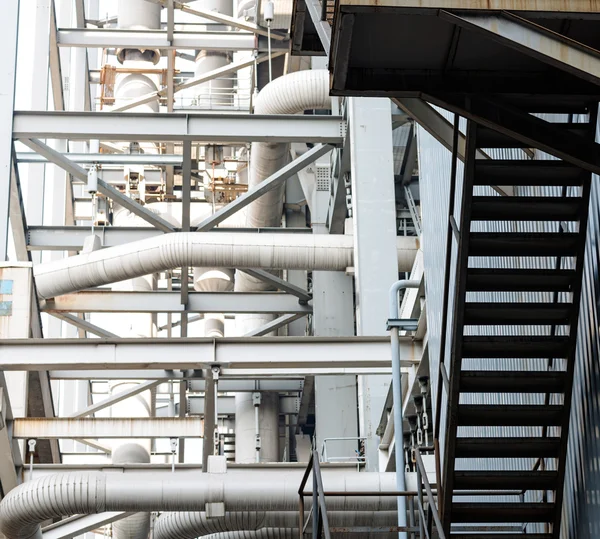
{"points": [[336, 413], [374, 227], [245, 430]]}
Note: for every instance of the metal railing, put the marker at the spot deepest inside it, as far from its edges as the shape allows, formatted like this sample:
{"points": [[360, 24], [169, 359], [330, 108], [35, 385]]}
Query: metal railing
{"points": [[317, 516], [358, 458]]}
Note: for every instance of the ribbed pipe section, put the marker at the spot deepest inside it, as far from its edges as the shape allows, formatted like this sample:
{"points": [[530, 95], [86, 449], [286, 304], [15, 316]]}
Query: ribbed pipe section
{"points": [[55, 496], [291, 94], [135, 526], [235, 250], [189, 525]]}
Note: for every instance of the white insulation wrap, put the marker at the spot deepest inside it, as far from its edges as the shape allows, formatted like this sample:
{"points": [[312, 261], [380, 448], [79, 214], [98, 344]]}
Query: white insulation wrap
{"points": [[291, 94], [25, 507], [230, 250], [189, 525]]}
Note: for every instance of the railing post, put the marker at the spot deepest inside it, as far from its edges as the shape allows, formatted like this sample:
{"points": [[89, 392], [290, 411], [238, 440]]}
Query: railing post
{"points": [[420, 498], [411, 515], [315, 498]]}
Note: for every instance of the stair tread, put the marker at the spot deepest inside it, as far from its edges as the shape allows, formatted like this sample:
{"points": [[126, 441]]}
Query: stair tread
{"points": [[534, 280], [500, 535], [526, 447], [489, 138], [527, 172], [505, 480], [512, 382], [484, 346], [510, 415], [473, 512], [525, 208], [515, 313], [523, 244]]}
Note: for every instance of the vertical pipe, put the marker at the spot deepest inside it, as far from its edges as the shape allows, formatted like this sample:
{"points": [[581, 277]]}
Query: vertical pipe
{"points": [[208, 443], [397, 397]]}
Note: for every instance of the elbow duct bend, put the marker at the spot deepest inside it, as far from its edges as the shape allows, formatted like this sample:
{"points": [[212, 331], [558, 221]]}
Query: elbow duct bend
{"points": [[218, 249], [25, 507]]}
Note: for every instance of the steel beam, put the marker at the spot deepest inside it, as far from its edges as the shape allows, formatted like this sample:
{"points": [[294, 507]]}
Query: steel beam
{"points": [[246, 386], [323, 28], [265, 186], [268, 353], [226, 405], [107, 159], [83, 324], [71, 238], [75, 170], [81, 524], [115, 398], [8, 74], [280, 284], [533, 40], [158, 39], [229, 21], [274, 325], [170, 302], [176, 127], [105, 427], [55, 65]]}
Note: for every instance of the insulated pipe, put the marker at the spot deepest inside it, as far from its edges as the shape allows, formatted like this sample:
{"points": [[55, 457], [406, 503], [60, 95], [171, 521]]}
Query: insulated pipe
{"points": [[234, 250], [189, 525], [290, 94], [397, 399], [25, 507], [135, 526]]}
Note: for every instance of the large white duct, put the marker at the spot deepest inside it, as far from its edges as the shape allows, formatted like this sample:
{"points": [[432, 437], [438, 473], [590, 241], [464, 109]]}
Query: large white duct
{"points": [[54, 496], [189, 525], [291, 94], [135, 526], [230, 250]]}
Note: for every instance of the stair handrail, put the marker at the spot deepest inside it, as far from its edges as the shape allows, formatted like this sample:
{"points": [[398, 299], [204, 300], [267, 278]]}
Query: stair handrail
{"points": [[422, 480], [320, 521]]}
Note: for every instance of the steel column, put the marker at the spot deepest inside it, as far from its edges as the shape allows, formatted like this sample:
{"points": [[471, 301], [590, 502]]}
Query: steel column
{"points": [[8, 71], [374, 223]]}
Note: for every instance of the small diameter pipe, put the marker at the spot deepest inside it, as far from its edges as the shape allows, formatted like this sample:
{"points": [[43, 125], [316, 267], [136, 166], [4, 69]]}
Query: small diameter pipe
{"points": [[397, 398]]}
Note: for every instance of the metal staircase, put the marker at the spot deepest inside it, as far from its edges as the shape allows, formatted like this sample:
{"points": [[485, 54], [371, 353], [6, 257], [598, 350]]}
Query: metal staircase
{"points": [[513, 338]]}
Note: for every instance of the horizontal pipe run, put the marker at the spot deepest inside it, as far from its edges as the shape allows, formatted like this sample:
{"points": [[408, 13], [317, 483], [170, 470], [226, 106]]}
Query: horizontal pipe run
{"points": [[28, 505], [266, 251]]}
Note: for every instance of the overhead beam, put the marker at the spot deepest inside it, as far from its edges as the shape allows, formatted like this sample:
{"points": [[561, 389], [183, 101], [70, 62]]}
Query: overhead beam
{"points": [[205, 77], [265, 186], [323, 28], [81, 524], [229, 21], [273, 325], [278, 353], [55, 65], [71, 238], [280, 284], [107, 427], [533, 40], [115, 398], [170, 302], [83, 324], [107, 190], [107, 159], [530, 130], [568, 9], [159, 39], [176, 127]]}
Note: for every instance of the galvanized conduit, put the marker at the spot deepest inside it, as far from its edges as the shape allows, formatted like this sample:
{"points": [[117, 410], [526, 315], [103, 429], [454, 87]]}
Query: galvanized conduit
{"points": [[60, 495], [216, 249]]}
